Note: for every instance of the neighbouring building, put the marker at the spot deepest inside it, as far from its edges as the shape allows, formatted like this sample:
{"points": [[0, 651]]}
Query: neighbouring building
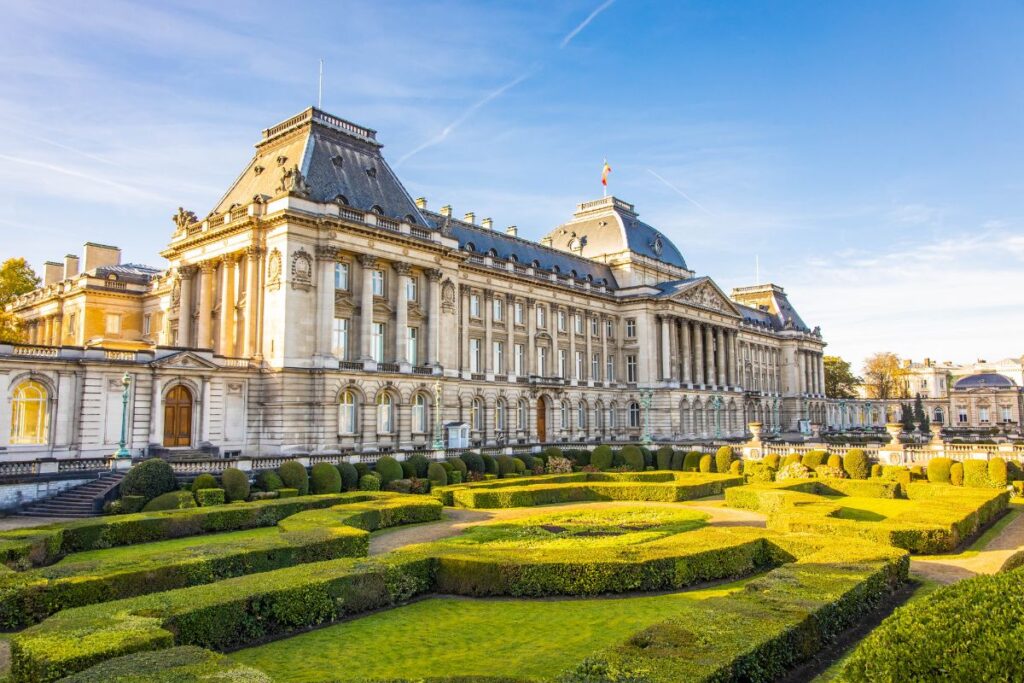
{"points": [[320, 308]]}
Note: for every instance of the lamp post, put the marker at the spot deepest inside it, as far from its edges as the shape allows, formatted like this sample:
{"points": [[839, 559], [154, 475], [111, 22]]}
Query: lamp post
{"points": [[716, 403], [645, 403], [438, 444], [122, 451]]}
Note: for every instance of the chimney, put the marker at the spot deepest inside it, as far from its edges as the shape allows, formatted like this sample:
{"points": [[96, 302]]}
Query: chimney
{"points": [[927, 362], [421, 202], [545, 241], [70, 266], [512, 230], [446, 210], [100, 255], [53, 272], [487, 223], [470, 217]]}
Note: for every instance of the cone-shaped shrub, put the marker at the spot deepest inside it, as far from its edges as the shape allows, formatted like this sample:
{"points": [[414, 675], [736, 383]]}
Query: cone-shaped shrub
{"points": [[723, 459], [691, 463], [997, 472], [664, 458], [678, 460]]}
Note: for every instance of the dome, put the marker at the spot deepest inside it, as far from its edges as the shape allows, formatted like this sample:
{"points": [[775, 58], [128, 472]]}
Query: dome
{"points": [[985, 380]]}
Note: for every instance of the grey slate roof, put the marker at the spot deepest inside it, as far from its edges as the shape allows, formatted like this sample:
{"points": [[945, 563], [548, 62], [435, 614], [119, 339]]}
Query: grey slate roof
{"points": [[132, 272], [641, 237], [989, 380]]}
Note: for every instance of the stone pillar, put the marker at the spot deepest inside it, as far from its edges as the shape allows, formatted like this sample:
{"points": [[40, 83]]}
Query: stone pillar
{"points": [[709, 355], [48, 331], [531, 341], [227, 305], [686, 352], [488, 315], [510, 347], [603, 365], [434, 321], [821, 374], [252, 288], [720, 360], [184, 306], [666, 349], [402, 270], [203, 338], [698, 353], [326, 257], [367, 262], [733, 351], [588, 362]]}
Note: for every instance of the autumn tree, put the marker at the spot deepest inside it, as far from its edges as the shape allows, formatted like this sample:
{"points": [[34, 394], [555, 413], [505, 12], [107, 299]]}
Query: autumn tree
{"points": [[16, 278], [840, 382], [885, 377]]}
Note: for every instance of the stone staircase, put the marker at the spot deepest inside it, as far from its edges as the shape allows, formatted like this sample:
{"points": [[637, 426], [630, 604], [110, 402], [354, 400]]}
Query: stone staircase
{"points": [[78, 501]]}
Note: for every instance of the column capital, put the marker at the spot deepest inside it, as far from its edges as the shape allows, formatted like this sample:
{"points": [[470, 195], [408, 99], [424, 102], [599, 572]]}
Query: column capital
{"points": [[465, 289], [401, 267], [433, 274], [229, 259], [367, 260], [187, 272], [488, 295], [530, 301], [207, 266], [254, 251], [326, 252]]}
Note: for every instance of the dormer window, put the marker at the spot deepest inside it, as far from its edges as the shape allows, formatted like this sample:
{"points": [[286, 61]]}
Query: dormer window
{"points": [[470, 246], [535, 263], [341, 199], [337, 160], [371, 172], [377, 209], [493, 253], [410, 219]]}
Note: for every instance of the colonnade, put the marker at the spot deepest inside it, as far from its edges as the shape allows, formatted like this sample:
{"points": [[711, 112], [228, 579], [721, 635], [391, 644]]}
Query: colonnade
{"points": [[697, 353], [46, 331], [229, 278], [810, 372]]}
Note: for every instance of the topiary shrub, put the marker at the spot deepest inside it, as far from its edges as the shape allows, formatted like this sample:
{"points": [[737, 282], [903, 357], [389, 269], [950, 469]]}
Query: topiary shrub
{"points": [[835, 462], [149, 479], [938, 470], [349, 476], [519, 466], [408, 469], [294, 476], [812, 459], [420, 463], [1013, 471], [735, 467], [324, 478], [448, 467], [691, 462], [268, 480], [437, 474], [369, 482], [876, 471], [663, 459], [208, 497], [617, 460], [976, 474], [633, 458], [997, 472], [723, 459], [706, 463], [362, 469], [856, 464], [773, 461], [388, 469], [459, 466], [678, 458], [601, 458], [791, 459], [287, 493], [551, 452], [454, 477], [172, 500], [204, 481], [579, 456], [490, 464], [130, 504], [474, 462], [235, 483], [956, 474], [648, 457]]}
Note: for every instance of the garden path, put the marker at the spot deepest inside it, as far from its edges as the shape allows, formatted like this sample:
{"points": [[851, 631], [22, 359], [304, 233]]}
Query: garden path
{"points": [[16, 522], [986, 560], [455, 520]]}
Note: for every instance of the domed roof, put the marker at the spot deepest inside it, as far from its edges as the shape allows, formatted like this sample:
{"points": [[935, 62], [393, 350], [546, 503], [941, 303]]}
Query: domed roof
{"points": [[984, 380]]}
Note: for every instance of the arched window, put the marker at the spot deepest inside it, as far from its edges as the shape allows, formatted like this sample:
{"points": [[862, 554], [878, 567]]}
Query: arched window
{"points": [[522, 415], [613, 420], [634, 414], [347, 413], [30, 416], [500, 415], [599, 415], [563, 414], [385, 414], [476, 415], [581, 415], [938, 417], [419, 414]]}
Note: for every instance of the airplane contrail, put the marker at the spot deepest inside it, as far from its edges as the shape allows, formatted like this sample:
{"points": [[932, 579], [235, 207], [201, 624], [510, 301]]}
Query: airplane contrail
{"points": [[681, 193], [583, 24]]}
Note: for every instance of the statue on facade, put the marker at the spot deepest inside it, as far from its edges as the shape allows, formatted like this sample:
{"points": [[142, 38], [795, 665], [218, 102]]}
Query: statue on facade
{"points": [[183, 218], [293, 182]]}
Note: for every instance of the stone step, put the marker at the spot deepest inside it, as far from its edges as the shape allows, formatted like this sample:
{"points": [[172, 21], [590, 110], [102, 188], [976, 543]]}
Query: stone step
{"points": [[74, 502]]}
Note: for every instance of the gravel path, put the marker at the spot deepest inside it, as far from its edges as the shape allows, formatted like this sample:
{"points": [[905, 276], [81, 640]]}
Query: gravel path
{"points": [[989, 560], [455, 520]]}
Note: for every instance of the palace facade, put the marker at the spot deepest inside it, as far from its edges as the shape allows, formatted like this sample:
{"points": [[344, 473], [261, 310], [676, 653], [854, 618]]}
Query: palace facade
{"points": [[320, 308]]}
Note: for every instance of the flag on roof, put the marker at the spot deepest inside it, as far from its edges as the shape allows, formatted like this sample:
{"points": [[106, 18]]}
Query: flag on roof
{"points": [[604, 173]]}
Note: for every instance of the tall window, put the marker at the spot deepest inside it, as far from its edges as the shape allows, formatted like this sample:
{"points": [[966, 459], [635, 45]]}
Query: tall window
{"points": [[962, 414], [577, 323], [112, 323], [339, 338], [476, 415], [412, 348], [983, 414], [499, 357], [581, 415], [609, 329], [377, 337], [341, 276], [1007, 413], [630, 328], [419, 414], [634, 414], [595, 367], [520, 359], [500, 415], [937, 416], [613, 418], [412, 288], [147, 321], [377, 278], [579, 364], [609, 371], [498, 307], [474, 305], [522, 414], [561, 321], [593, 326], [518, 312], [542, 361], [474, 355], [599, 416], [29, 414], [563, 364], [631, 368], [542, 317], [385, 413], [347, 413], [563, 415]]}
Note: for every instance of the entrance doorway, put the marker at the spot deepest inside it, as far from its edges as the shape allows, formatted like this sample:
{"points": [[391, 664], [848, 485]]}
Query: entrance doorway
{"points": [[542, 419], [178, 417]]}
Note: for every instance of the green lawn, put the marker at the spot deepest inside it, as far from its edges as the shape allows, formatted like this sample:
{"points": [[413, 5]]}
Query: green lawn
{"points": [[441, 637]]}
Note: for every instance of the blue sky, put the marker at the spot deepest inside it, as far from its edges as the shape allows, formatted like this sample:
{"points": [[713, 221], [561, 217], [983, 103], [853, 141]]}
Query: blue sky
{"points": [[869, 153]]}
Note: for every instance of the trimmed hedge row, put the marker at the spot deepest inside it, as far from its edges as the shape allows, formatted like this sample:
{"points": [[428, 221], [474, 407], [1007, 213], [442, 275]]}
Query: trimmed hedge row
{"points": [[309, 536], [173, 665]]}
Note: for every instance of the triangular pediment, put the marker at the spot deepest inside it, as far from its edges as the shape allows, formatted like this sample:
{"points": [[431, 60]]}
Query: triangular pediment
{"points": [[185, 359], [704, 293]]}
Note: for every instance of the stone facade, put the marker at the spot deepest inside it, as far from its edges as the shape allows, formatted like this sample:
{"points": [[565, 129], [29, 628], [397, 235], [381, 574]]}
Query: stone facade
{"points": [[319, 308]]}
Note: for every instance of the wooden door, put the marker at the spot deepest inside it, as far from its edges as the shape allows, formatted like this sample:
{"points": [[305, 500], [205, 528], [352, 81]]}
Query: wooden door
{"points": [[542, 420], [178, 418]]}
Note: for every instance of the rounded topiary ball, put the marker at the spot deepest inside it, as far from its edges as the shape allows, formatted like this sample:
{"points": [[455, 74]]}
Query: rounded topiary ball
{"points": [[490, 464], [235, 484], [678, 460], [723, 459], [773, 461], [735, 467], [705, 463], [633, 458], [149, 479], [204, 481], [460, 466], [518, 466], [663, 458], [268, 480], [324, 478], [835, 461], [388, 469], [856, 464], [420, 464], [369, 482], [602, 457], [349, 476], [437, 474], [294, 476], [474, 462], [691, 461]]}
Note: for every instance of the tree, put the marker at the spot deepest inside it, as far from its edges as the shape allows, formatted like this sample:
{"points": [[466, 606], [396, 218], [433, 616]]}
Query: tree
{"points": [[840, 382], [884, 376], [907, 417], [16, 278], [920, 416]]}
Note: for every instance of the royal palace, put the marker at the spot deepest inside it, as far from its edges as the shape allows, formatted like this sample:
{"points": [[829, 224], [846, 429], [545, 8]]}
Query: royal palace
{"points": [[319, 308]]}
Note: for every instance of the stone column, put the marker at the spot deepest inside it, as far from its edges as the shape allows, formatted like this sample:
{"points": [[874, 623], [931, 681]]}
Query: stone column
{"points": [[710, 376], [367, 262], [720, 364], [685, 351], [733, 349], [326, 257], [184, 306], [227, 305], [572, 344], [434, 321], [588, 362], [531, 341], [666, 349], [821, 373], [402, 270], [698, 353], [510, 345], [488, 315], [603, 365], [203, 338]]}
